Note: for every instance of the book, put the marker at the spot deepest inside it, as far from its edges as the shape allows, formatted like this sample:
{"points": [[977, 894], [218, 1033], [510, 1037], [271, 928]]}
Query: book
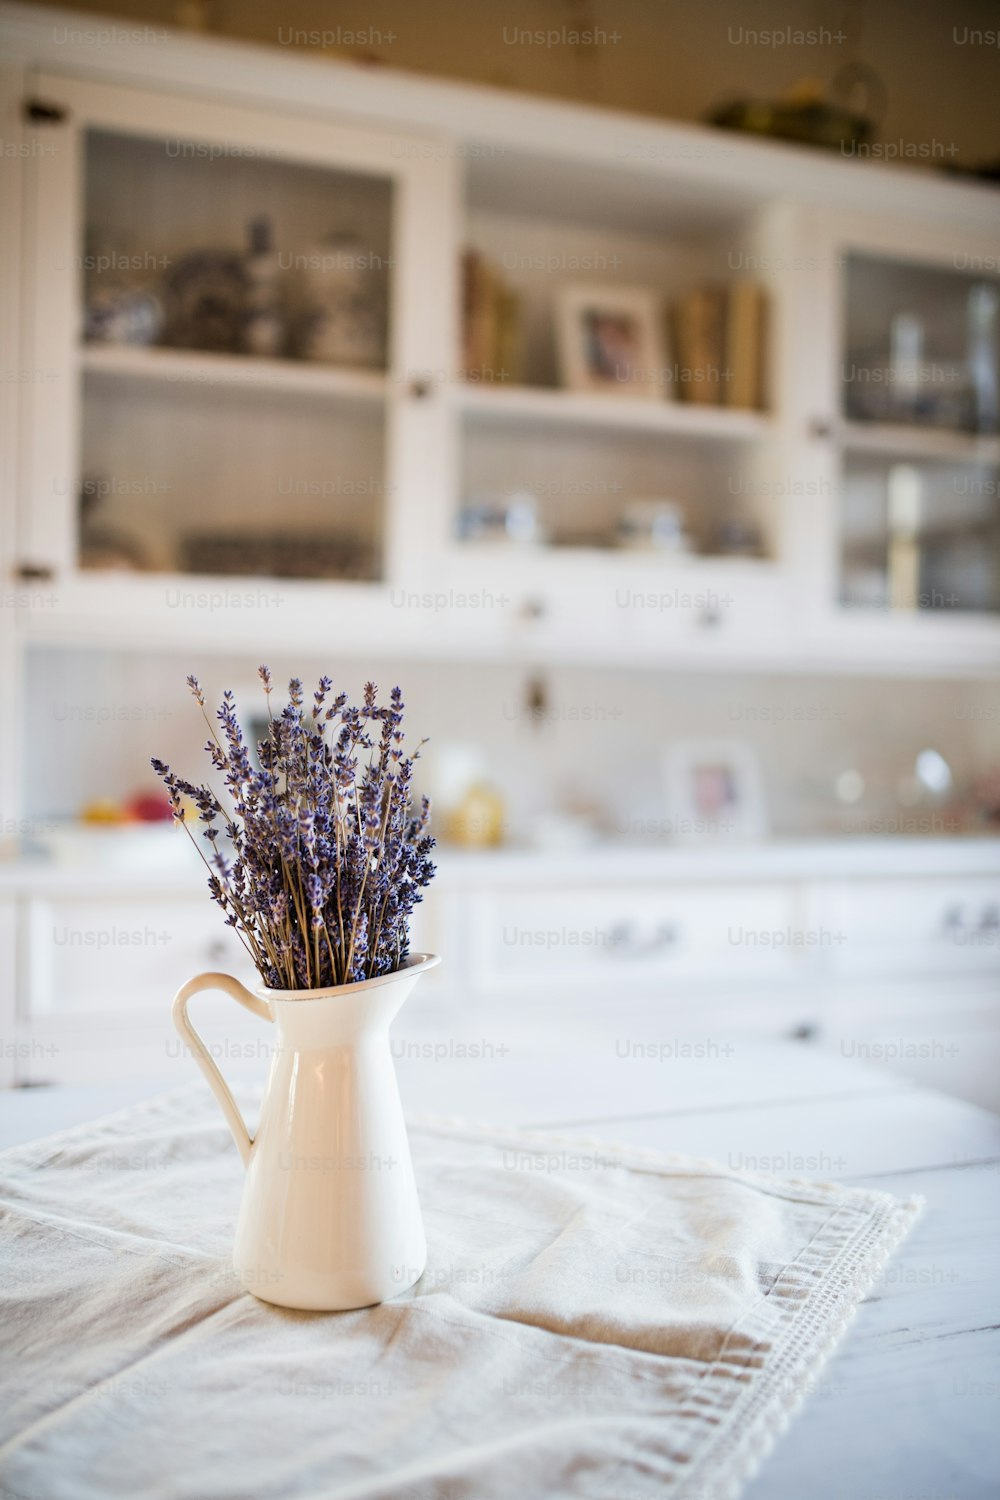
{"points": [[698, 338], [744, 345], [490, 323], [719, 345], [507, 339]]}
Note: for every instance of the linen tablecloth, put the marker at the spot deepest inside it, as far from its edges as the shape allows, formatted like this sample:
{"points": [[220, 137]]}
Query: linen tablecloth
{"points": [[594, 1321]]}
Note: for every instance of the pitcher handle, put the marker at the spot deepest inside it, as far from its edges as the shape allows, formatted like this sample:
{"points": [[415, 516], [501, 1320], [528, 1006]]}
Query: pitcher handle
{"points": [[204, 1058]]}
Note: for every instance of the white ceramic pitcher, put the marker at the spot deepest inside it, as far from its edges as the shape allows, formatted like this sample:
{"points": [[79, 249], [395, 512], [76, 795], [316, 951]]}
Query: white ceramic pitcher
{"points": [[330, 1218]]}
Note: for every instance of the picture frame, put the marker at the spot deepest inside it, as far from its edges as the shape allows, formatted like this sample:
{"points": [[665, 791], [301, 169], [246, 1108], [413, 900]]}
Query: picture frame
{"points": [[610, 340], [715, 792]]}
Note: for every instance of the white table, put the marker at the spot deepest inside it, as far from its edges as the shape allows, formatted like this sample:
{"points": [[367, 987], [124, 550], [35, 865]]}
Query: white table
{"points": [[909, 1406]]}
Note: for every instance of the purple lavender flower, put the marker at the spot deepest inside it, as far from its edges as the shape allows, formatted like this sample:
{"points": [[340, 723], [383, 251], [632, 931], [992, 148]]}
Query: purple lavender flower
{"points": [[322, 857]]}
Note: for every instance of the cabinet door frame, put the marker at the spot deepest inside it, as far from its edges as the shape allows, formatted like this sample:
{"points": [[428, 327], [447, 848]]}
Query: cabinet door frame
{"points": [[422, 300]]}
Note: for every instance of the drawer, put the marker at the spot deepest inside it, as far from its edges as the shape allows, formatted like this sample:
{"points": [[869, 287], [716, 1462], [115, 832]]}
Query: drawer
{"points": [[737, 933], [122, 954], [702, 605], [913, 926]]}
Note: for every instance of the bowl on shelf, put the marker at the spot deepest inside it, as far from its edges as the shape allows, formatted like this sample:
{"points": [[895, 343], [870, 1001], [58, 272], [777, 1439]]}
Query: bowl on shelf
{"points": [[155, 847]]}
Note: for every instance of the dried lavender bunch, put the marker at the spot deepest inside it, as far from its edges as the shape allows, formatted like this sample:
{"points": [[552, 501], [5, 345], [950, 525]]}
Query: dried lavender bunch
{"points": [[322, 855]]}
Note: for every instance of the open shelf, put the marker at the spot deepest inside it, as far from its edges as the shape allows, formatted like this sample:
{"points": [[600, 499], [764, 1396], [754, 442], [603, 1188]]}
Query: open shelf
{"points": [[540, 406], [900, 440], [232, 372]]}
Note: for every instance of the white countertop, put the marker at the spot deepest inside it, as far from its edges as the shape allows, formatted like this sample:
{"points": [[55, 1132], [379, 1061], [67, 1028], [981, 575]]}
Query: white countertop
{"points": [[805, 859]]}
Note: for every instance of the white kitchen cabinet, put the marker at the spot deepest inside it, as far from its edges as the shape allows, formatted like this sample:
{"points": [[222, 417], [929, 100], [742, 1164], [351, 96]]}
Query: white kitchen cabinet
{"points": [[849, 946], [857, 950], [377, 462], [209, 136], [88, 956], [98, 975]]}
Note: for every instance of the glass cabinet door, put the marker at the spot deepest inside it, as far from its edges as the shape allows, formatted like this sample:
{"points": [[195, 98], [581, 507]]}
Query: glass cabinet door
{"points": [[920, 534], [920, 473], [218, 297], [235, 324]]}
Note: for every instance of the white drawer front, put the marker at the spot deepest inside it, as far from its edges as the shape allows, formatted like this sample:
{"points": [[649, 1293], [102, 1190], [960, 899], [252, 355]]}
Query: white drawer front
{"points": [[597, 936], [701, 606], [122, 954], [914, 926]]}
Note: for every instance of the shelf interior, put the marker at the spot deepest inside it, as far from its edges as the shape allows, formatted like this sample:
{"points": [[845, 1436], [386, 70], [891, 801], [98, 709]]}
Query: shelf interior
{"points": [[921, 345], [584, 478], [213, 442], [169, 219], [628, 193], [230, 486], [538, 258], [587, 459], [920, 536]]}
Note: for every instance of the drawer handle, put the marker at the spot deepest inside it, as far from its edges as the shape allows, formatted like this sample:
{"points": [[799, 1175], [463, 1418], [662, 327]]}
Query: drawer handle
{"points": [[623, 939], [533, 608]]}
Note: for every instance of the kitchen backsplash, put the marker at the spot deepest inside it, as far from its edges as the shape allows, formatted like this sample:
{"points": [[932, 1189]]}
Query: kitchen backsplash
{"points": [[580, 741]]}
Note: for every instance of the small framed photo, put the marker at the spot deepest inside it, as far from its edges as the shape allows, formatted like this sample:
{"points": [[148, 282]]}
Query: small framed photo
{"points": [[714, 791], [610, 339]]}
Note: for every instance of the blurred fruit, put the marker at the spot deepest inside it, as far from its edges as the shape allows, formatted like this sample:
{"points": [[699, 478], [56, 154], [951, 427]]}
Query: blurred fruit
{"points": [[148, 807], [102, 810]]}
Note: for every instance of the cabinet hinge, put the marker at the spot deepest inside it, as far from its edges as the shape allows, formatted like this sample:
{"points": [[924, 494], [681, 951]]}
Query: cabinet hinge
{"points": [[38, 112]]}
